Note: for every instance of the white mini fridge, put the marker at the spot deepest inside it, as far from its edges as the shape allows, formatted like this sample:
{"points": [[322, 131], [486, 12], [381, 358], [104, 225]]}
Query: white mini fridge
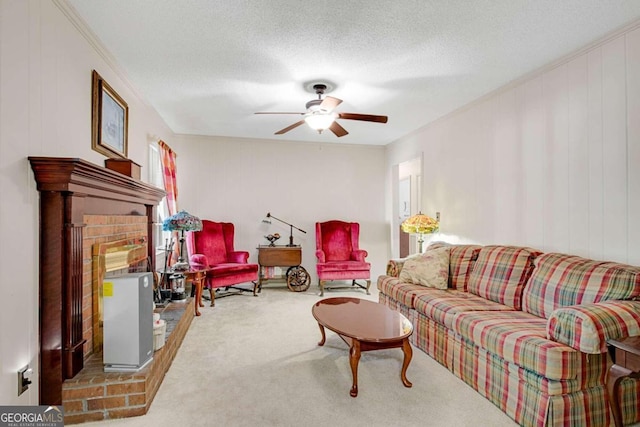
{"points": [[127, 322]]}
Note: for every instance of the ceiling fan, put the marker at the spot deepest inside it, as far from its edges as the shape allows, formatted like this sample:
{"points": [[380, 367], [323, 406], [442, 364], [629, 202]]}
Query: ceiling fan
{"points": [[320, 114]]}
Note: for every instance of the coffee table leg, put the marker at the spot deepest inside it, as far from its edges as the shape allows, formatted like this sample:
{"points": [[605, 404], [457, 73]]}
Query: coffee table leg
{"points": [[408, 353], [323, 336], [354, 358]]}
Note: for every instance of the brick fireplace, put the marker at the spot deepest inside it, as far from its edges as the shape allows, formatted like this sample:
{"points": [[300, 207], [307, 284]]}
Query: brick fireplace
{"points": [[79, 202]]}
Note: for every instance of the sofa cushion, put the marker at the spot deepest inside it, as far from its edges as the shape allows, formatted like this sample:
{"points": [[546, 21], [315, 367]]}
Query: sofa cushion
{"points": [[587, 327], [519, 338], [501, 272], [404, 293], [563, 280], [442, 305], [461, 261], [430, 269]]}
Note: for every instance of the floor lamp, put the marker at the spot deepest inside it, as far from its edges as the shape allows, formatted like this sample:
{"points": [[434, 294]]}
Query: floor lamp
{"points": [[420, 224]]}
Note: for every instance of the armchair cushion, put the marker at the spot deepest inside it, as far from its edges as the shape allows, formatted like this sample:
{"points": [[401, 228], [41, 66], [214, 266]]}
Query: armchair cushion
{"points": [[238, 256], [336, 242]]}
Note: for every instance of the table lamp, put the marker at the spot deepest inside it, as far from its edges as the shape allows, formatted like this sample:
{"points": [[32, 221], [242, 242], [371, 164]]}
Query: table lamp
{"points": [[420, 224], [182, 221], [291, 227]]}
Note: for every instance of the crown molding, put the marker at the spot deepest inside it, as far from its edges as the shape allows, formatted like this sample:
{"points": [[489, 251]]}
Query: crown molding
{"points": [[619, 32], [83, 28]]}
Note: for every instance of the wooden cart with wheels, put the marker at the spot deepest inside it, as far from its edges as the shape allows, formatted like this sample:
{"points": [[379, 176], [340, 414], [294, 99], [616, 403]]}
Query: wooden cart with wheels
{"points": [[297, 277]]}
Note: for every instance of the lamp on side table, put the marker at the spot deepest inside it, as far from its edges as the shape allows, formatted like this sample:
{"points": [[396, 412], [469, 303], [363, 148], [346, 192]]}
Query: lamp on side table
{"points": [[181, 222]]}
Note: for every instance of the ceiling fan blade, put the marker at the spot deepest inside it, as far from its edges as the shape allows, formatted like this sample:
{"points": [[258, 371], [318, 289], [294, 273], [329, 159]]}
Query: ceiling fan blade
{"points": [[288, 128], [363, 117], [329, 103], [337, 129], [276, 112]]}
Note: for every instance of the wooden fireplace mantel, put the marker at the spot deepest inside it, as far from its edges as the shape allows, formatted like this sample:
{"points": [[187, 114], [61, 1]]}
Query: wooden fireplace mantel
{"points": [[69, 189]]}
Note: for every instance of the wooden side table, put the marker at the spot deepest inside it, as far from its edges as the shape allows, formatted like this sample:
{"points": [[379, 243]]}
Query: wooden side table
{"points": [[627, 365], [197, 278], [283, 256]]}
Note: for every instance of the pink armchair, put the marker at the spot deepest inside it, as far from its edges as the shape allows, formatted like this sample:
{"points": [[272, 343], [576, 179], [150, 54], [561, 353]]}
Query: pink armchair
{"points": [[213, 247], [339, 257]]}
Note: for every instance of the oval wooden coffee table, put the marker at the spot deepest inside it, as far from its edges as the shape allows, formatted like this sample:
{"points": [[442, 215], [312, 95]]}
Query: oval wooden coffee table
{"points": [[364, 325]]}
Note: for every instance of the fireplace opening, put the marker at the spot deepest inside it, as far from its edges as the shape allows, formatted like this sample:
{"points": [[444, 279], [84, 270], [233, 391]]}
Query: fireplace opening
{"points": [[111, 260]]}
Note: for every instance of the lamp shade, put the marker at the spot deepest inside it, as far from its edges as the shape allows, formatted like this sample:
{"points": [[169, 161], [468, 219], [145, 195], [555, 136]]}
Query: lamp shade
{"points": [[420, 224], [182, 221]]}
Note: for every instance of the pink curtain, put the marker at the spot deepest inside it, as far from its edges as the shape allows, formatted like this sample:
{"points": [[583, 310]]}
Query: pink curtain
{"points": [[168, 160]]}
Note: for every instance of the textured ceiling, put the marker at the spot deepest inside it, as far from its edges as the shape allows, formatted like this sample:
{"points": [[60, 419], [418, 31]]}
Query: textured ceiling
{"points": [[208, 65]]}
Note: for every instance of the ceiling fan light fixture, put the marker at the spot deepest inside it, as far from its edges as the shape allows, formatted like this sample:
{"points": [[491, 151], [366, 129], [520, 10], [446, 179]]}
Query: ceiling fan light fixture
{"points": [[320, 122]]}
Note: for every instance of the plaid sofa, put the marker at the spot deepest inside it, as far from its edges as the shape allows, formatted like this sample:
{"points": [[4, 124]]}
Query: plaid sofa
{"points": [[526, 329]]}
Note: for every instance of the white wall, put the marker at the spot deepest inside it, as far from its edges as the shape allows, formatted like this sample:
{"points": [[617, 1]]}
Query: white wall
{"points": [[550, 162], [45, 110], [240, 180]]}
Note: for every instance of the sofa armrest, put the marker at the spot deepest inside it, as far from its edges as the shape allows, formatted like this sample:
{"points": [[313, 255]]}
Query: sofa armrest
{"points": [[394, 266], [587, 327], [320, 256], [241, 257], [359, 255], [198, 261]]}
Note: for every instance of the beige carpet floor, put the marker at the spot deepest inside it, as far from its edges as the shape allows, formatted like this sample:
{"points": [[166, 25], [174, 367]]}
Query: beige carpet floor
{"points": [[254, 361]]}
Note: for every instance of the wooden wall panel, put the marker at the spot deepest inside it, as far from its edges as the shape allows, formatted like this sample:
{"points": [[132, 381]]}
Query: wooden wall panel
{"points": [[578, 167], [507, 223], [556, 160], [533, 155], [633, 144], [614, 153], [594, 141], [482, 167]]}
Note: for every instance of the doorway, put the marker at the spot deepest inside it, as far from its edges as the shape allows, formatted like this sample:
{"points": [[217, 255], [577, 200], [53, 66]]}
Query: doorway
{"points": [[408, 196]]}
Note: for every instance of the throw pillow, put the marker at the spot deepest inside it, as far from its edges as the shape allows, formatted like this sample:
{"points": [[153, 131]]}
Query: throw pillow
{"points": [[429, 269]]}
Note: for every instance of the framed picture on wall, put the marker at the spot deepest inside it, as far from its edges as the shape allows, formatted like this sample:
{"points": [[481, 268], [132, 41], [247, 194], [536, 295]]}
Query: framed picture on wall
{"points": [[109, 119]]}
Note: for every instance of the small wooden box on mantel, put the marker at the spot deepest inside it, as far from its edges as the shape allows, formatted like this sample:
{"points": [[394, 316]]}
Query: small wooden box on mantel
{"points": [[124, 166]]}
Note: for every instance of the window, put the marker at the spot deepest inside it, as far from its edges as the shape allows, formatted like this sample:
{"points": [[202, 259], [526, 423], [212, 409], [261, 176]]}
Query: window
{"points": [[155, 170]]}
